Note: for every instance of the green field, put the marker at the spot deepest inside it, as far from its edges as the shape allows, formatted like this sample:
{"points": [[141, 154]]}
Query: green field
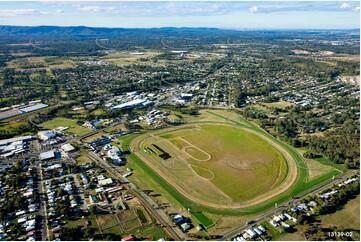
{"points": [[125, 141], [240, 164], [74, 128], [131, 224], [301, 184], [279, 104], [325, 161], [154, 231], [107, 221], [348, 217], [81, 160]]}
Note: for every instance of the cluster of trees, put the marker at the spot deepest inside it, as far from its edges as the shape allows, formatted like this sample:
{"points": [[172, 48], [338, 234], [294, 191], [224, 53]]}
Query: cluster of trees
{"points": [[286, 129], [190, 110], [56, 111], [311, 155], [306, 121], [253, 113], [19, 87], [82, 233], [341, 133], [3, 60], [13, 202], [242, 95], [13, 129], [16, 180], [341, 145]]}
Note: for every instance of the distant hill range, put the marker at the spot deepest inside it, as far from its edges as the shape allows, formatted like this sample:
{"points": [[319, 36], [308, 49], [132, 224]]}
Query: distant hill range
{"points": [[99, 31], [92, 31]]}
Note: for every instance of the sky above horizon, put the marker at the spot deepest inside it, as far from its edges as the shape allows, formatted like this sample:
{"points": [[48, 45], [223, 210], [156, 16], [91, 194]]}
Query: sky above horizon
{"points": [[221, 14]]}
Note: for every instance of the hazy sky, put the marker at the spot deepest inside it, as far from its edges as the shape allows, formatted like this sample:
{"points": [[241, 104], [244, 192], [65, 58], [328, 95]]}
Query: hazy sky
{"points": [[235, 15]]}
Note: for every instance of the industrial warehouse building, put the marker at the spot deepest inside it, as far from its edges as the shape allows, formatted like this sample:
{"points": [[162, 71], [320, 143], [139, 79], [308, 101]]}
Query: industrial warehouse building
{"points": [[47, 134]]}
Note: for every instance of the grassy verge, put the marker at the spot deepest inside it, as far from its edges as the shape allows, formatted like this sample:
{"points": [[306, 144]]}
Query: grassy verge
{"points": [[325, 161], [125, 141]]}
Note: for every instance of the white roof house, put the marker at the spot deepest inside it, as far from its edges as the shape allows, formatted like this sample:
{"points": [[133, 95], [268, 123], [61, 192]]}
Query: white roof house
{"points": [[282, 217], [263, 229], [246, 235], [22, 220], [288, 216], [259, 232], [31, 222], [73, 203], [52, 167], [113, 154], [67, 147], [105, 182], [277, 219], [286, 226], [100, 177], [274, 224], [20, 213], [99, 189], [251, 232]]}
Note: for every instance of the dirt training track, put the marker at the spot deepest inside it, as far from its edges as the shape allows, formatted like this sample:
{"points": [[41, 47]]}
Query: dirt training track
{"points": [[281, 188]]}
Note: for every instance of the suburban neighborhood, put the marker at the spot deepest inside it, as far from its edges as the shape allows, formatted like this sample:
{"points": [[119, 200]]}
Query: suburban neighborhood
{"points": [[179, 121]]}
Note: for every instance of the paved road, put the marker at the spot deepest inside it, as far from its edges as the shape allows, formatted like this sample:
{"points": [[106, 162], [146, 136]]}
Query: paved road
{"points": [[80, 193], [160, 215], [42, 213], [42, 210], [291, 202]]}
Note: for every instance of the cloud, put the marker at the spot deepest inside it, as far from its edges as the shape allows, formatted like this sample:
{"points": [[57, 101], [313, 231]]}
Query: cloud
{"points": [[98, 9], [345, 6], [159, 9], [91, 9], [177, 8], [253, 9], [60, 11], [348, 6], [20, 12]]}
